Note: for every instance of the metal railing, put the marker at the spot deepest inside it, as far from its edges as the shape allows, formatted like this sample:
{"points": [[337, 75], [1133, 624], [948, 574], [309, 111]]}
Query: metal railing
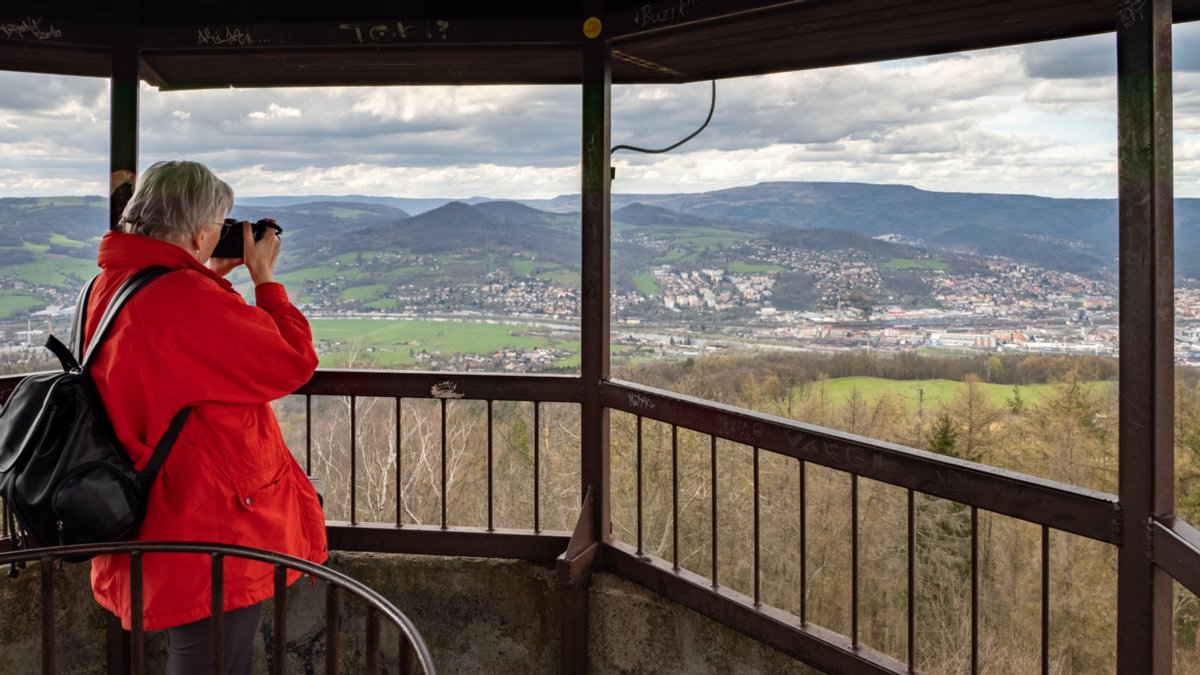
{"points": [[412, 648], [1048, 505], [482, 539]]}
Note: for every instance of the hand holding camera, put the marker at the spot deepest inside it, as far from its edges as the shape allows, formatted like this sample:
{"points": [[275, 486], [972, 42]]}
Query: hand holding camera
{"points": [[257, 244]]}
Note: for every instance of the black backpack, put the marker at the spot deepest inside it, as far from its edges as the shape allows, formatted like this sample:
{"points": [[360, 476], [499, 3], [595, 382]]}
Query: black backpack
{"points": [[64, 475]]}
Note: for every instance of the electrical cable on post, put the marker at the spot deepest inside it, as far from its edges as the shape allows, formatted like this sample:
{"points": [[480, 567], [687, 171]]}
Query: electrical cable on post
{"points": [[711, 107]]}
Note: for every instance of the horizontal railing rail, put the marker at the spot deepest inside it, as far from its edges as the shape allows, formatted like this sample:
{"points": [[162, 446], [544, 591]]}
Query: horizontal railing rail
{"points": [[1063, 507], [411, 647], [446, 385]]}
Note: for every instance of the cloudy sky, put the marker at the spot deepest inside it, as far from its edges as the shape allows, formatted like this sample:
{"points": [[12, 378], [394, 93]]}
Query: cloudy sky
{"points": [[1039, 119]]}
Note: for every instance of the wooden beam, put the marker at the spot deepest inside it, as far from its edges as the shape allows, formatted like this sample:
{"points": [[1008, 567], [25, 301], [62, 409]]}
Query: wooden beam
{"points": [[1146, 462]]}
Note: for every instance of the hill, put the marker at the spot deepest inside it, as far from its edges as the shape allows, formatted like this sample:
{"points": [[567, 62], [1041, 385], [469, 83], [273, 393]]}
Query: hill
{"points": [[1034, 229]]}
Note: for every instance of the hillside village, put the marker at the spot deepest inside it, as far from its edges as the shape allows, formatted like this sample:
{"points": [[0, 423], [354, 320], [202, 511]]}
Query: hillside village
{"points": [[684, 282]]}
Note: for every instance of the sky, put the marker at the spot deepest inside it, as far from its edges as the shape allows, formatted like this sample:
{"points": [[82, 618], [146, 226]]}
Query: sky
{"points": [[1036, 119]]}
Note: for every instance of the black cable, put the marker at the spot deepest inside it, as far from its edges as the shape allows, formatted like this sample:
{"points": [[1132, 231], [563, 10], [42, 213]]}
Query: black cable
{"points": [[712, 106]]}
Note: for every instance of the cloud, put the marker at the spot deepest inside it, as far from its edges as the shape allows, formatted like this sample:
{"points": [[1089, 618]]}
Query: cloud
{"points": [[1038, 118], [275, 111]]}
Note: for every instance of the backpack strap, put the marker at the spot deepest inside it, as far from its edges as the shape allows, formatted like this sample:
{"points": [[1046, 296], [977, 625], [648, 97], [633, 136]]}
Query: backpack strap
{"points": [[80, 323], [131, 286], [69, 357], [148, 474]]}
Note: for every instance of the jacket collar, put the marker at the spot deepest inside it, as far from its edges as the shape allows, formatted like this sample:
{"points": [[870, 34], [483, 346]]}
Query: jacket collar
{"points": [[119, 250]]}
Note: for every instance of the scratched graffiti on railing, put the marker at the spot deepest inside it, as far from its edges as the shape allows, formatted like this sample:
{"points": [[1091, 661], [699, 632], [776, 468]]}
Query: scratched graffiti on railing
{"points": [[446, 389], [648, 16], [738, 429], [30, 27], [640, 401], [224, 36], [396, 31], [1130, 12]]}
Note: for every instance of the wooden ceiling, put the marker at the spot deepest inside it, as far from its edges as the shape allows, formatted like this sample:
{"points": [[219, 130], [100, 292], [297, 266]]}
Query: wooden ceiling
{"points": [[218, 43]]}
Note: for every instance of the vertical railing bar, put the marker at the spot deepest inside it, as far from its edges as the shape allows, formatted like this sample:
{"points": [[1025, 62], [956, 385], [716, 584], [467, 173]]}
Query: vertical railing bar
{"points": [[1045, 600], [443, 479], [333, 635], [48, 631], [373, 660], [308, 434], [353, 460], [279, 643], [912, 587], [803, 542], [713, 458], [217, 591], [757, 538], [490, 483], [675, 497], [406, 655], [537, 465], [137, 651], [974, 590], [399, 461], [854, 560], [639, 486]]}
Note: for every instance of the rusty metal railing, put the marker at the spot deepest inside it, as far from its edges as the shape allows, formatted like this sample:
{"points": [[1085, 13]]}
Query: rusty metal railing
{"points": [[412, 649], [1048, 504], [481, 539]]}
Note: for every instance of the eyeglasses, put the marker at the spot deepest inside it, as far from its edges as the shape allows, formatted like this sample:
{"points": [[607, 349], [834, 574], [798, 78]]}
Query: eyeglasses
{"points": [[227, 226]]}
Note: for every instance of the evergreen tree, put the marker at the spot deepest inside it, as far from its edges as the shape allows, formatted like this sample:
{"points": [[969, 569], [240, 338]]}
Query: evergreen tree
{"points": [[943, 437]]}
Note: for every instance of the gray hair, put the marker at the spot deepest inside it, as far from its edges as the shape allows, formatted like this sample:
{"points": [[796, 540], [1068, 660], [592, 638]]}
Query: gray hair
{"points": [[175, 201]]}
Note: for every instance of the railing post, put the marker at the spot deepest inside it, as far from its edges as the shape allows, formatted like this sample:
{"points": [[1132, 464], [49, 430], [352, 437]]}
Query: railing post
{"points": [[123, 125], [1146, 324], [594, 325], [596, 264], [116, 645]]}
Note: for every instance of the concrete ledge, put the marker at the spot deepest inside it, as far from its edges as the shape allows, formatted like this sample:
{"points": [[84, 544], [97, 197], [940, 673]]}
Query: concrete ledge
{"points": [[477, 615]]}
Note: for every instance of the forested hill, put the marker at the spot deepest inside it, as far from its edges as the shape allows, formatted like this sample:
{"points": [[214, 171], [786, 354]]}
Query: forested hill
{"points": [[1071, 235]]}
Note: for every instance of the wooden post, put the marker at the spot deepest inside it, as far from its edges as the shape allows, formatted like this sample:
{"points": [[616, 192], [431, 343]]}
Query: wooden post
{"points": [[1147, 324], [123, 128], [596, 279]]}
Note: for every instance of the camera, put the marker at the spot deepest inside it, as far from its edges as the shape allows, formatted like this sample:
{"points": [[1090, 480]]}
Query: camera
{"points": [[231, 243]]}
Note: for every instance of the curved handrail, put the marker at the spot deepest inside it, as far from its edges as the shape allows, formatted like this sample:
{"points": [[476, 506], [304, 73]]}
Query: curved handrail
{"points": [[368, 594]]}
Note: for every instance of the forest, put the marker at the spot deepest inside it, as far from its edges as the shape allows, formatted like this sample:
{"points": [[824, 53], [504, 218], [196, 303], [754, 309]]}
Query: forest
{"points": [[1067, 435]]}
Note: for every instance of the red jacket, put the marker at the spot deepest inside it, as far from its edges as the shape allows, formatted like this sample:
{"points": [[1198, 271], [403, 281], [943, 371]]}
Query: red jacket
{"points": [[189, 339]]}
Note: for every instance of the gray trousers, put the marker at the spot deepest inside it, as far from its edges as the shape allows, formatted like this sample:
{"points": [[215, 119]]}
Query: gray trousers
{"points": [[189, 647]]}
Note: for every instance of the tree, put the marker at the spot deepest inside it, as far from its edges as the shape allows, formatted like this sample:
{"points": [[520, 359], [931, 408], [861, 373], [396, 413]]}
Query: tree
{"points": [[943, 437], [994, 367], [976, 418], [1016, 404]]}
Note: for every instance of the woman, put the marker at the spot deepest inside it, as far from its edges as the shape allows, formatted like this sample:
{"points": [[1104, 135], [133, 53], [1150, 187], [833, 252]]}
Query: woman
{"points": [[189, 339]]}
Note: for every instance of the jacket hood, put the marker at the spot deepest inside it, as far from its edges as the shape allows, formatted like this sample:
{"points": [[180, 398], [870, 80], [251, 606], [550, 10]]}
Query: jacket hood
{"points": [[119, 250]]}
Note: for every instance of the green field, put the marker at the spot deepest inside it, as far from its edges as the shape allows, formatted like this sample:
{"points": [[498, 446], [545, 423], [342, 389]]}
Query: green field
{"points": [[521, 268], [62, 240], [307, 274], [743, 267], [646, 284], [397, 342], [10, 303], [911, 264], [55, 270], [365, 292], [936, 392]]}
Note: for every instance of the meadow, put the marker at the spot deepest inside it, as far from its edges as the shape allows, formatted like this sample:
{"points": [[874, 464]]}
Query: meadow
{"points": [[395, 343], [934, 392]]}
